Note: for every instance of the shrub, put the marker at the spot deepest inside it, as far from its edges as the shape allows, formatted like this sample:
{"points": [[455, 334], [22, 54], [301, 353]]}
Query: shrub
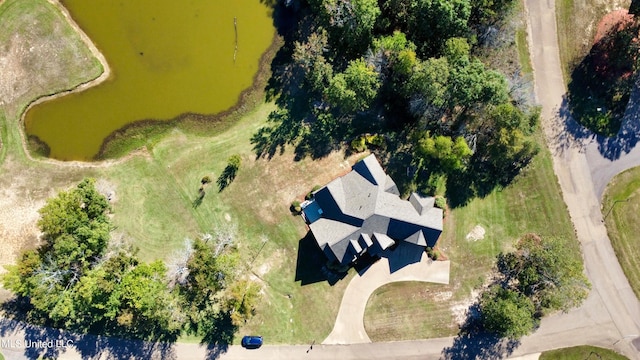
{"points": [[234, 161], [314, 189], [358, 144], [295, 208], [205, 180], [376, 140], [361, 143], [432, 253], [230, 171], [441, 202], [429, 251]]}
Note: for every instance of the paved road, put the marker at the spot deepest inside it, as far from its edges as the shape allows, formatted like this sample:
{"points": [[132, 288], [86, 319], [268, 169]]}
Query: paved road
{"points": [[611, 290]]}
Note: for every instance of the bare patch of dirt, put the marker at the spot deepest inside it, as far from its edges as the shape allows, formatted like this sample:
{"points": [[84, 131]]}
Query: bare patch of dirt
{"points": [[460, 310], [23, 191], [18, 216], [107, 189], [286, 180], [477, 233], [442, 296], [273, 261]]}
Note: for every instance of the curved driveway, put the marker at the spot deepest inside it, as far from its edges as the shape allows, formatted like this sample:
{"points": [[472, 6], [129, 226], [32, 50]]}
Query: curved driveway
{"points": [[349, 326]]}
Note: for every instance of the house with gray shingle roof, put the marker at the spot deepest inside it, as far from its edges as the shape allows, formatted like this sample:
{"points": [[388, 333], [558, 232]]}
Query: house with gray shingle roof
{"points": [[362, 212]]}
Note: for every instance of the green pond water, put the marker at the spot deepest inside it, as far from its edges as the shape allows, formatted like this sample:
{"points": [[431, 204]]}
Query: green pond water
{"points": [[167, 58]]}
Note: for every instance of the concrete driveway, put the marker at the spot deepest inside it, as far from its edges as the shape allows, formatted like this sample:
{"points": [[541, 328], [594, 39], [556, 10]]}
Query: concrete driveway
{"points": [[349, 325]]}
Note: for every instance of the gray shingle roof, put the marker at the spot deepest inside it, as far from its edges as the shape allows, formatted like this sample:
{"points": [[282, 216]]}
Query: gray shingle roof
{"points": [[365, 204]]}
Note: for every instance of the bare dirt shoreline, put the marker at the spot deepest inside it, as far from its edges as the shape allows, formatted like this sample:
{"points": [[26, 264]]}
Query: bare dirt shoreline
{"points": [[106, 74]]}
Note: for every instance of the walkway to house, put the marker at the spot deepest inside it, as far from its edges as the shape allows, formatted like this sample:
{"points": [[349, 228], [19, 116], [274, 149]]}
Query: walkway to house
{"points": [[349, 325]]}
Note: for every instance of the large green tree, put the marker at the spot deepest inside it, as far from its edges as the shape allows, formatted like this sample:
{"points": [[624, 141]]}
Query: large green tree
{"points": [[76, 229], [202, 292], [75, 226], [507, 313], [349, 22], [546, 271], [541, 276], [309, 56], [355, 88]]}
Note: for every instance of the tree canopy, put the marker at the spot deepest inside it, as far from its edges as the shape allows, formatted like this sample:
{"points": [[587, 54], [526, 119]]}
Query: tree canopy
{"points": [[541, 276], [545, 270], [508, 313], [399, 69], [77, 280]]}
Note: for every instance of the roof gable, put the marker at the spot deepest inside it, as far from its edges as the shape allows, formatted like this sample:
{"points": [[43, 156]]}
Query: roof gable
{"points": [[417, 238], [370, 169]]}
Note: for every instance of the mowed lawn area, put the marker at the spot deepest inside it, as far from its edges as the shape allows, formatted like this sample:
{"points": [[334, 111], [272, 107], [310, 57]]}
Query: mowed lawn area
{"points": [[620, 206], [581, 353], [155, 209]]}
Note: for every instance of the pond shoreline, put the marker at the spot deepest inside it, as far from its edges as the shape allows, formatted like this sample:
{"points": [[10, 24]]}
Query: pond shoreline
{"points": [[205, 122], [239, 108]]}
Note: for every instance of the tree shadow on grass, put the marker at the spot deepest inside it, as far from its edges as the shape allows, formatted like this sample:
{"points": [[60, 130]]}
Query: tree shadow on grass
{"points": [[311, 265], [601, 83], [611, 148], [226, 178], [474, 343], [198, 200]]}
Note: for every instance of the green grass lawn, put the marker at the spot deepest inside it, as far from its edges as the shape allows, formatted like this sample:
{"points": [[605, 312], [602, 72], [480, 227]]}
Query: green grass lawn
{"points": [[581, 353], [620, 205], [523, 51], [425, 312], [522, 44]]}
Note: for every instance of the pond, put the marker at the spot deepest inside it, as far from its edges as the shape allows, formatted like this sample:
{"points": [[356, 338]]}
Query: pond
{"points": [[167, 58]]}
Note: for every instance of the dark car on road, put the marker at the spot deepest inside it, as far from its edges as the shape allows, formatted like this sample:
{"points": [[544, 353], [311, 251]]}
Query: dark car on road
{"points": [[251, 342]]}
